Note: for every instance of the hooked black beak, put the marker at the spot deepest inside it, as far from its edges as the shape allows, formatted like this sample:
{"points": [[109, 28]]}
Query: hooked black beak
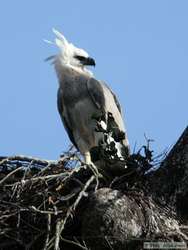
{"points": [[89, 61], [85, 60]]}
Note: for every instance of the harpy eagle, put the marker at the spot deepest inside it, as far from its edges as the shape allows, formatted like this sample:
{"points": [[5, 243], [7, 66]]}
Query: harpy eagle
{"points": [[80, 97]]}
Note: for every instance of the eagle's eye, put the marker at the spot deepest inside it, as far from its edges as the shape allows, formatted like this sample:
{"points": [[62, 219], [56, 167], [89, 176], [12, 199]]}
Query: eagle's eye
{"points": [[80, 58]]}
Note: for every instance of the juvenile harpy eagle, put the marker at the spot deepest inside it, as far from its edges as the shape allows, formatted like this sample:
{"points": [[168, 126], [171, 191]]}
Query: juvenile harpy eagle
{"points": [[81, 97]]}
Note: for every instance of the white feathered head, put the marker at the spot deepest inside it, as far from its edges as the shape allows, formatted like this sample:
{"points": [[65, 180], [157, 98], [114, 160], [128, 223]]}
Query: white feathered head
{"points": [[69, 54]]}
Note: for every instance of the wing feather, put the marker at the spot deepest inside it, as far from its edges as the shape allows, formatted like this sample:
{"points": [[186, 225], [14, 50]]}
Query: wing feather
{"points": [[63, 117], [114, 96], [96, 93]]}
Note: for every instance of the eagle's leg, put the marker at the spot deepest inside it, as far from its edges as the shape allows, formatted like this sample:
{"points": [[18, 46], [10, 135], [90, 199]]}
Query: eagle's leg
{"points": [[87, 157]]}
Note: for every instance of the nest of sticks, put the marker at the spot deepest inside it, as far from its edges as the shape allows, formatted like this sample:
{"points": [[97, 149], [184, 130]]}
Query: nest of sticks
{"points": [[40, 200]]}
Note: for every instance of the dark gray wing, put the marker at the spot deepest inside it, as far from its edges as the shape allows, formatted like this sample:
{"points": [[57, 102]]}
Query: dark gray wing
{"points": [[96, 93], [63, 117], [116, 101], [115, 98]]}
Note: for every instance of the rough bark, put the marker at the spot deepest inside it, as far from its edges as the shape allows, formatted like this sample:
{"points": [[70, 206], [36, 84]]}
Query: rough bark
{"points": [[113, 220], [169, 184], [120, 220]]}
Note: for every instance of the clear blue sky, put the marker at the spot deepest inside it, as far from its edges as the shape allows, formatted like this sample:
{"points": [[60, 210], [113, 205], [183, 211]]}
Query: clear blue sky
{"points": [[141, 51]]}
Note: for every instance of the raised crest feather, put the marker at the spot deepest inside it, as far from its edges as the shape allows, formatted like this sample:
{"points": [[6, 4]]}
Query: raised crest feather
{"points": [[49, 42], [60, 37], [67, 55]]}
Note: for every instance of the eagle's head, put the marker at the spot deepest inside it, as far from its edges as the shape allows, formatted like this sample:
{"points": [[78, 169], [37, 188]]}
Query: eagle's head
{"points": [[72, 56]]}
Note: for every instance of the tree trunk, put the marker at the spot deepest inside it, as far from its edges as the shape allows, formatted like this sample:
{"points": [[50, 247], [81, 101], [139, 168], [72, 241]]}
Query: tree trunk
{"points": [[116, 219]]}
